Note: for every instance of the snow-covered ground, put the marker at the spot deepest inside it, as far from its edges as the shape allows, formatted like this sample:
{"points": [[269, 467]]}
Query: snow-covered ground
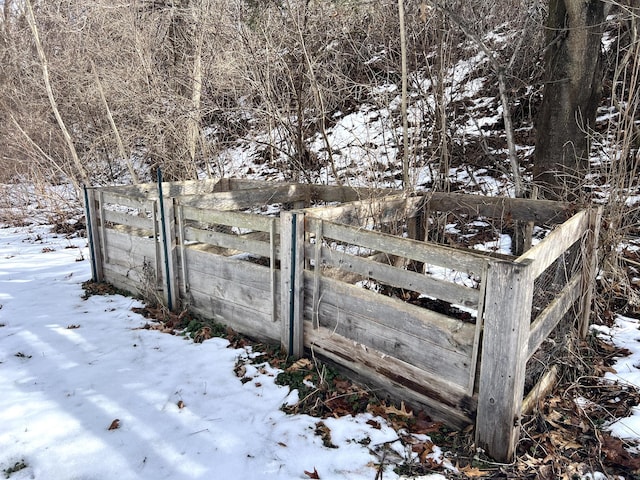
{"points": [[625, 333], [72, 370]]}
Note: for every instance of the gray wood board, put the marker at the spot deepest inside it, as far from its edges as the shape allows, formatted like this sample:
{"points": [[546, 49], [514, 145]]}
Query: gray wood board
{"points": [[537, 211], [230, 269], [397, 277], [415, 335], [238, 317], [445, 401], [232, 290], [428, 253], [236, 243], [556, 243]]}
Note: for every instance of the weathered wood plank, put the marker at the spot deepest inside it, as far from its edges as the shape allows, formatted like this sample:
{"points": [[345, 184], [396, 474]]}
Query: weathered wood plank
{"points": [[241, 199], [230, 269], [343, 194], [92, 214], [128, 220], [417, 282], [228, 184], [550, 316], [273, 270], [116, 198], [397, 343], [128, 279], [128, 247], [538, 211], [540, 391], [435, 329], [182, 273], [556, 243], [361, 213], [169, 189], [232, 290], [446, 401], [589, 265], [475, 354], [244, 320], [504, 357], [428, 253], [292, 233], [250, 221], [236, 243]]}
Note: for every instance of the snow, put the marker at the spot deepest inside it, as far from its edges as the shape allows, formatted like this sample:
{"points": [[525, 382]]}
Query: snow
{"points": [[625, 333], [70, 367]]}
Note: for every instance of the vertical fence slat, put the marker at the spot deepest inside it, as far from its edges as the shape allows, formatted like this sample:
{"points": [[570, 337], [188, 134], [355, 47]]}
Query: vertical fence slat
{"points": [[97, 274], [171, 262], [478, 332], [292, 233], [317, 272], [102, 244], [183, 251], [590, 259], [504, 357], [273, 269]]}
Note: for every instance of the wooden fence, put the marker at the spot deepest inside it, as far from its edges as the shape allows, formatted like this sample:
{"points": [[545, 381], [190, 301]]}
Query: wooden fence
{"points": [[347, 273]]}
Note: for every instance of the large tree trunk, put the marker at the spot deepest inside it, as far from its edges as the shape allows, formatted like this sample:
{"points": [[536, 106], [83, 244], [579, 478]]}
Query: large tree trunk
{"points": [[572, 90]]}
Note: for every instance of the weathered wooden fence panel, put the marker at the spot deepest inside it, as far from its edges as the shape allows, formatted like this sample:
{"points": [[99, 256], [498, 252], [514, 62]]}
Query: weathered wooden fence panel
{"points": [[344, 281]]}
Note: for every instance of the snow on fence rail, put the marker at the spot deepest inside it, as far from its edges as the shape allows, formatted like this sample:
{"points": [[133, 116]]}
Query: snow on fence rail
{"points": [[348, 273]]}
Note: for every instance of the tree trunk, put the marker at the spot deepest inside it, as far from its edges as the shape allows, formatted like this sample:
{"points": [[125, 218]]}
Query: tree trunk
{"points": [[573, 84]]}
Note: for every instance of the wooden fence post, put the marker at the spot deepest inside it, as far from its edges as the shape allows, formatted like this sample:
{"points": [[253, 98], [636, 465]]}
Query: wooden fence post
{"points": [[292, 234], [504, 356], [93, 234], [590, 261], [167, 239]]}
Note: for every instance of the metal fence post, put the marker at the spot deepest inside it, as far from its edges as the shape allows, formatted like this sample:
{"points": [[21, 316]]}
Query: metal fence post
{"points": [[165, 238], [292, 281]]}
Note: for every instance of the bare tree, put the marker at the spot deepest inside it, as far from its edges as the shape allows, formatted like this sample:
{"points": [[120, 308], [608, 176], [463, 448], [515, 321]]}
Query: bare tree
{"points": [[572, 91]]}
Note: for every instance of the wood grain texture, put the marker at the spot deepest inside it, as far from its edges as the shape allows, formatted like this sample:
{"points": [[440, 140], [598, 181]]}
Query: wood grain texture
{"points": [[426, 339], [556, 243], [504, 356], [397, 277], [235, 243], [96, 244], [445, 401], [538, 211], [428, 253], [589, 267]]}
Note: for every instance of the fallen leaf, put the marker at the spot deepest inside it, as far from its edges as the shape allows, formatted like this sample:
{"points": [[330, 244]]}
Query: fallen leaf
{"points": [[324, 433], [562, 438], [615, 453], [300, 364], [423, 449], [180, 404], [426, 427], [402, 412], [114, 425], [71, 327], [374, 424], [473, 472], [313, 474]]}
